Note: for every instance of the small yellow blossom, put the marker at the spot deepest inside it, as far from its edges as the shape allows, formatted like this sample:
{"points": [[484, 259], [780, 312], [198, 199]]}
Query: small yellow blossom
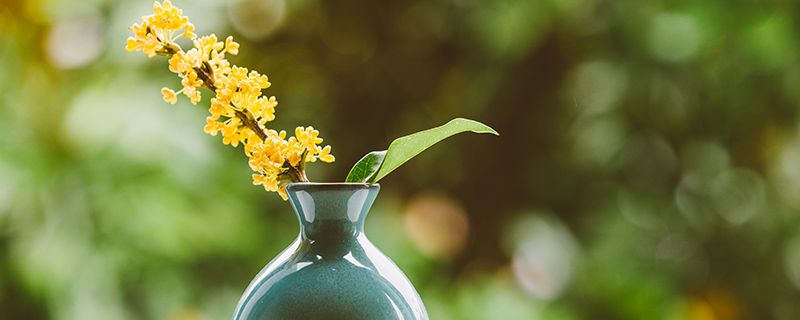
{"points": [[179, 64], [267, 160], [325, 155], [169, 95], [192, 93], [282, 192], [212, 127], [188, 31], [232, 47]]}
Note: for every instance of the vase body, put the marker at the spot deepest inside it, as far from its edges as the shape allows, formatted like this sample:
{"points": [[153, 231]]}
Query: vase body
{"points": [[331, 271]]}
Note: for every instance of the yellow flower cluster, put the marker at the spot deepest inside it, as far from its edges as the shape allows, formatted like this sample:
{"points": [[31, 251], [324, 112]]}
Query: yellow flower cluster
{"points": [[270, 157], [238, 99], [158, 31], [198, 66], [238, 111]]}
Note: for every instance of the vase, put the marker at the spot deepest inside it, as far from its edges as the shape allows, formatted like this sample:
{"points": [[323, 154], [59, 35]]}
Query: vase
{"points": [[331, 271]]}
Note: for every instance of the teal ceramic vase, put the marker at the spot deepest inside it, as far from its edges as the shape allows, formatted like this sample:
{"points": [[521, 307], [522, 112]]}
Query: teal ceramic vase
{"points": [[332, 271]]}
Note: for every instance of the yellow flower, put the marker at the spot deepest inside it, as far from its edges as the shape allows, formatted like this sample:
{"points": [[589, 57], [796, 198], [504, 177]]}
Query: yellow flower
{"points": [[179, 64], [169, 95], [231, 46], [212, 126], [282, 192], [308, 138], [192, 93], [267, 159], [325, 155], [190, 84], [205, 44], [230, 132], [158, 31], [188, 31]]}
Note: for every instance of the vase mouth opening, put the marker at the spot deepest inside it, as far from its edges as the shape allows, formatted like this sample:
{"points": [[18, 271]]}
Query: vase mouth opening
{"points": [[330, 186], [333, 183]]}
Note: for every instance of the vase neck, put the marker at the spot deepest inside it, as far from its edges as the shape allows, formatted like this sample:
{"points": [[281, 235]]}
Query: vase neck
{"points": [[331, 211]]}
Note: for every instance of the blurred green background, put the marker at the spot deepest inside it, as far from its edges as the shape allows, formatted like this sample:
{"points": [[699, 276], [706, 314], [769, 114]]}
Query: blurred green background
{"points": [[648, 165]]}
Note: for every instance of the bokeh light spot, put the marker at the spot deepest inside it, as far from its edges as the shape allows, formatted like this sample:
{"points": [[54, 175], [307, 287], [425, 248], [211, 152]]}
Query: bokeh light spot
{"points": [[75, 39], [693, 202], [256, 19], [437, 225], [772, 42], [786, 175], [792, 261], [704, 158], [510, 29], [739, 195], [543, 253], [598, 140], [596, 87], [674, 36], [649, 160]]}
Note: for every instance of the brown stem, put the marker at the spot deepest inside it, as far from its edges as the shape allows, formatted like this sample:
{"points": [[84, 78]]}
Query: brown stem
{"points": [[168, 49], [251, 124], [294, 173], [205, 73]]}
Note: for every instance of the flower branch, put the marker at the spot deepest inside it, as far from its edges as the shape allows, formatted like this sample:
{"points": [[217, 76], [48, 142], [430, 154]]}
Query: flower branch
{"points": [[238, 111]]}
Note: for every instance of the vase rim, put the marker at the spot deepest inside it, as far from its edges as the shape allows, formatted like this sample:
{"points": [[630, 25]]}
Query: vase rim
{"points": [[330, 186], [332, 183]]}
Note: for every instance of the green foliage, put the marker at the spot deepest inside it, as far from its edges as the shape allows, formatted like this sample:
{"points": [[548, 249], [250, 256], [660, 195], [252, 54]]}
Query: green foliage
{"points": [[377, 164], [366, 168]]}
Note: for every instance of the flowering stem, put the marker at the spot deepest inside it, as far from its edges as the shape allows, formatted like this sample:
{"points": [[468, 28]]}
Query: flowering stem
{"points": [[206, 74], [251, 124], [294, 173], [290, 173], [169, 50], [275, 159]]}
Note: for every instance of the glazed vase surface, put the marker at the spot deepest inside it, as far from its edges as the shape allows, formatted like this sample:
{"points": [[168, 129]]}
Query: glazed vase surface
{"points": [[331, 271]]}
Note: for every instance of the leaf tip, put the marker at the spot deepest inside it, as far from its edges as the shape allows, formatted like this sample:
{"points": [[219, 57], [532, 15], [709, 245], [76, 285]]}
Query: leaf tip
{"points": [[483, 128], [491, 130]]}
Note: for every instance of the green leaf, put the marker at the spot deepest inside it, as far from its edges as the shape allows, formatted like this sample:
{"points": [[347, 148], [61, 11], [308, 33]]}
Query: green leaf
{"points": [[366, 167], [404, 148]]}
